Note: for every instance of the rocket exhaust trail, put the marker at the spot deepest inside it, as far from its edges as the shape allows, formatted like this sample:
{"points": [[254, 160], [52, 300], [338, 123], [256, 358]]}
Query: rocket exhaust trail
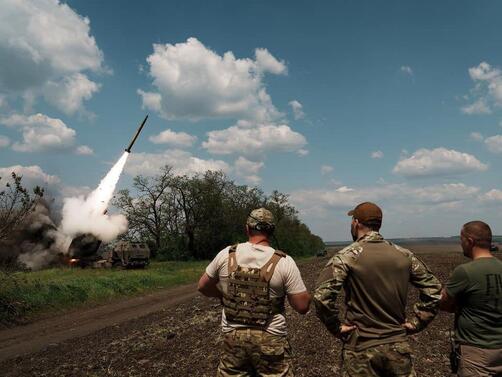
{"points": [[86, 214]]}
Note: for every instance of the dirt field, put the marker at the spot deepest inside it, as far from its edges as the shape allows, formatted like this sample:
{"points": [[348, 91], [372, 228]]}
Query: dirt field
{"points": [[184, 339]]}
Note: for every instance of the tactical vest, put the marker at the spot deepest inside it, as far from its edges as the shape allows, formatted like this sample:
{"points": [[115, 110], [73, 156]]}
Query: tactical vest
{"points": [[248, 300]]}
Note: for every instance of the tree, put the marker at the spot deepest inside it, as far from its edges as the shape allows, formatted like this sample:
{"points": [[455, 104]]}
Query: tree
{"points": [[152, 212], [16, 202], [196, 216]]}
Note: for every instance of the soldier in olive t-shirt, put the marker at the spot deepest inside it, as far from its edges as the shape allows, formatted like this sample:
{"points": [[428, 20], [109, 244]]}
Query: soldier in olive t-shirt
{"points": [[474, 294], [477, 289]]}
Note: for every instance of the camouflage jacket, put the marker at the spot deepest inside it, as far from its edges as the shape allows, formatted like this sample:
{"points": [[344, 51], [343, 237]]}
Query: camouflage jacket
{"points": [[375, 275]]}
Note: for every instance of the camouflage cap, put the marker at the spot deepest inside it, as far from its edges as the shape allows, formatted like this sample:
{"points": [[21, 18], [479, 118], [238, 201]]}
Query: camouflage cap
{"points": [[260, 215], [366, 212]]}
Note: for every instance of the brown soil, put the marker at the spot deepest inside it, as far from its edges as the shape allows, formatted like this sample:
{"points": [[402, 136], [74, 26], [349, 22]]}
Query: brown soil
{"points": [[176, 333]]}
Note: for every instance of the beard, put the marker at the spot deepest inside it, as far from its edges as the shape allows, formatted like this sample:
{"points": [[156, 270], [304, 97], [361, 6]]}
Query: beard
{"points": [[353, 232]]}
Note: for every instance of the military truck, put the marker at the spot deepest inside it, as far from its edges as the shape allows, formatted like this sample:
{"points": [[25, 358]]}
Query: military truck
{"points": [[129, 254]]}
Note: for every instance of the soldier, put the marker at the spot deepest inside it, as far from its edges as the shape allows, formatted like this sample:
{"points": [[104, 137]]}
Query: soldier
{"points": [[375, 274], [255, 279], [474, 294]]}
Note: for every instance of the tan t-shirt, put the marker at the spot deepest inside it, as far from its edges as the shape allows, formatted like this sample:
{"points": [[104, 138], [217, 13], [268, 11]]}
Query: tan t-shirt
{"points": [[285, 280]]}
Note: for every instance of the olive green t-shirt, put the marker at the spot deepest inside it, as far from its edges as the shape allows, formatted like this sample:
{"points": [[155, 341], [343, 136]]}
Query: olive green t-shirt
{"points": [[477, 289]]}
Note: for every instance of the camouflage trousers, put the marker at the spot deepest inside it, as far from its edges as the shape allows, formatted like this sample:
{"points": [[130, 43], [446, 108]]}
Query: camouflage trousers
{"points": [[253, 352], [386, 360]]}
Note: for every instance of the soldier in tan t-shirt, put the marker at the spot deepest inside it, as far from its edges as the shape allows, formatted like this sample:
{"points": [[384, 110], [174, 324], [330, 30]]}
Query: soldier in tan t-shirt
{"points": [[375, 275], [255, 279]]}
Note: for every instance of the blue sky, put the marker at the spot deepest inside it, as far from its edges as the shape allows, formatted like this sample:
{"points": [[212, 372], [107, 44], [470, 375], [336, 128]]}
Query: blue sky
{"points": [[396, 102]]}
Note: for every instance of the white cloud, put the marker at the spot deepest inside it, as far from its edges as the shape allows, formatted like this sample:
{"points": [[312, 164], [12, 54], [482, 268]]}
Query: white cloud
{"points": [[492, 196], [4, 141], [478, 107], [494, 143], [407, 70], [399, 197], [32, 175], [248, 139], [476, 136], [69, 94], [302, 152], [182, 162], [84, 150], [377, 154], [266, 62], [178, 139], [326, 169], [488, 89], [47, 46], [297, 108], [437, 162], [483, 72], [40, 133], [248, 170], [194, 82]]}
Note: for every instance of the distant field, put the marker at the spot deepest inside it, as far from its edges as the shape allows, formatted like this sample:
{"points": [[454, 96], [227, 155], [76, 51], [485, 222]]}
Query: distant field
{"points": [[24, 294]]}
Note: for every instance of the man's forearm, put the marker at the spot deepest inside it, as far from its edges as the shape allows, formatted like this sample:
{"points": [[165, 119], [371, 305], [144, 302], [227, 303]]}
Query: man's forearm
{"points": [[211, 291]]}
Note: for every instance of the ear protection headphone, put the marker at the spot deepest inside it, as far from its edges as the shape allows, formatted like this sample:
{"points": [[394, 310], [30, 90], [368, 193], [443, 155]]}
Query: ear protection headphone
{"points": [[263, 226]]}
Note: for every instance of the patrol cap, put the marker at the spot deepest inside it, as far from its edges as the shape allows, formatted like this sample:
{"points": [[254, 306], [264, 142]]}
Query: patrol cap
{"points": [[260, 215], [366, 212]]}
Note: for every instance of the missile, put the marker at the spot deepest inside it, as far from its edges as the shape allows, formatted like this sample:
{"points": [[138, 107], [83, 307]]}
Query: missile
{"points": [[128, 149]]}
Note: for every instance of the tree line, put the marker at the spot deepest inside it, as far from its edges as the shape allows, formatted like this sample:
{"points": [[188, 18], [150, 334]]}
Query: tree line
{"points": [[193, 217]]}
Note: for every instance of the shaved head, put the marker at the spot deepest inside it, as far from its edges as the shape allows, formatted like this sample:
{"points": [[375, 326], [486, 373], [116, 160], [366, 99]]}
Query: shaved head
{"points": [[480, 232]]}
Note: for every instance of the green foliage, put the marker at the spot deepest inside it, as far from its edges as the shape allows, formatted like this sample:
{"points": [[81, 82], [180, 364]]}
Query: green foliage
{"points": [[194, 217], [26, 293]]}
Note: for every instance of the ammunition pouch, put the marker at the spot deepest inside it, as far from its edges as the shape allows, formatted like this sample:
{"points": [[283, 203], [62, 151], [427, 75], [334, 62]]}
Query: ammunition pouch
{"points": [[247, 300]]}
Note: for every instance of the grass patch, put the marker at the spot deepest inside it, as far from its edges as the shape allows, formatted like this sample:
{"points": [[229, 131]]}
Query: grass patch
{"points": [[24, 294]]}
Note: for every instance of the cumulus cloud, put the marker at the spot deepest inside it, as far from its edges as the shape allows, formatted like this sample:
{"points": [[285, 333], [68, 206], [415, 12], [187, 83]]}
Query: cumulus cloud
{"points": [[406, 69], [182, 162], [494, 143], [437, 162], [302, 152], [478, 107], [177, 139], [4, 141], [476, 136], [248, 170], [69, 94], [84, 150], [402, 197], [32, 175], [326, 169], [377, 154], [297, 108], [48, 50], [493, 195], [40, 133], [249, 139], [193, 82], [488, 90]]}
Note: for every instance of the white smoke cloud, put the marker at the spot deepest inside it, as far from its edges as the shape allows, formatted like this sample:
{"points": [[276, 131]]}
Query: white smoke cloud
{"points": [[85, 214]]}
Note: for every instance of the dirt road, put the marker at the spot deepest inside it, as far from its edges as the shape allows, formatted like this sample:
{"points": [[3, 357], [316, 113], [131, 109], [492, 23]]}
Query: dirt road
{"points": [[176, 333]]}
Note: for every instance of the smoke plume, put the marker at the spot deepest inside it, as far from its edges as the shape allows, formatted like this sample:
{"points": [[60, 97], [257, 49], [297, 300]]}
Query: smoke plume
{"points": [[38, 242], [87, 214]]}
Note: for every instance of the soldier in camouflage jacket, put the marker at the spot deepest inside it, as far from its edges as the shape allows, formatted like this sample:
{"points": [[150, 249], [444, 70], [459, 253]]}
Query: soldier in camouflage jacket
{"points": [[375, 275]]}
